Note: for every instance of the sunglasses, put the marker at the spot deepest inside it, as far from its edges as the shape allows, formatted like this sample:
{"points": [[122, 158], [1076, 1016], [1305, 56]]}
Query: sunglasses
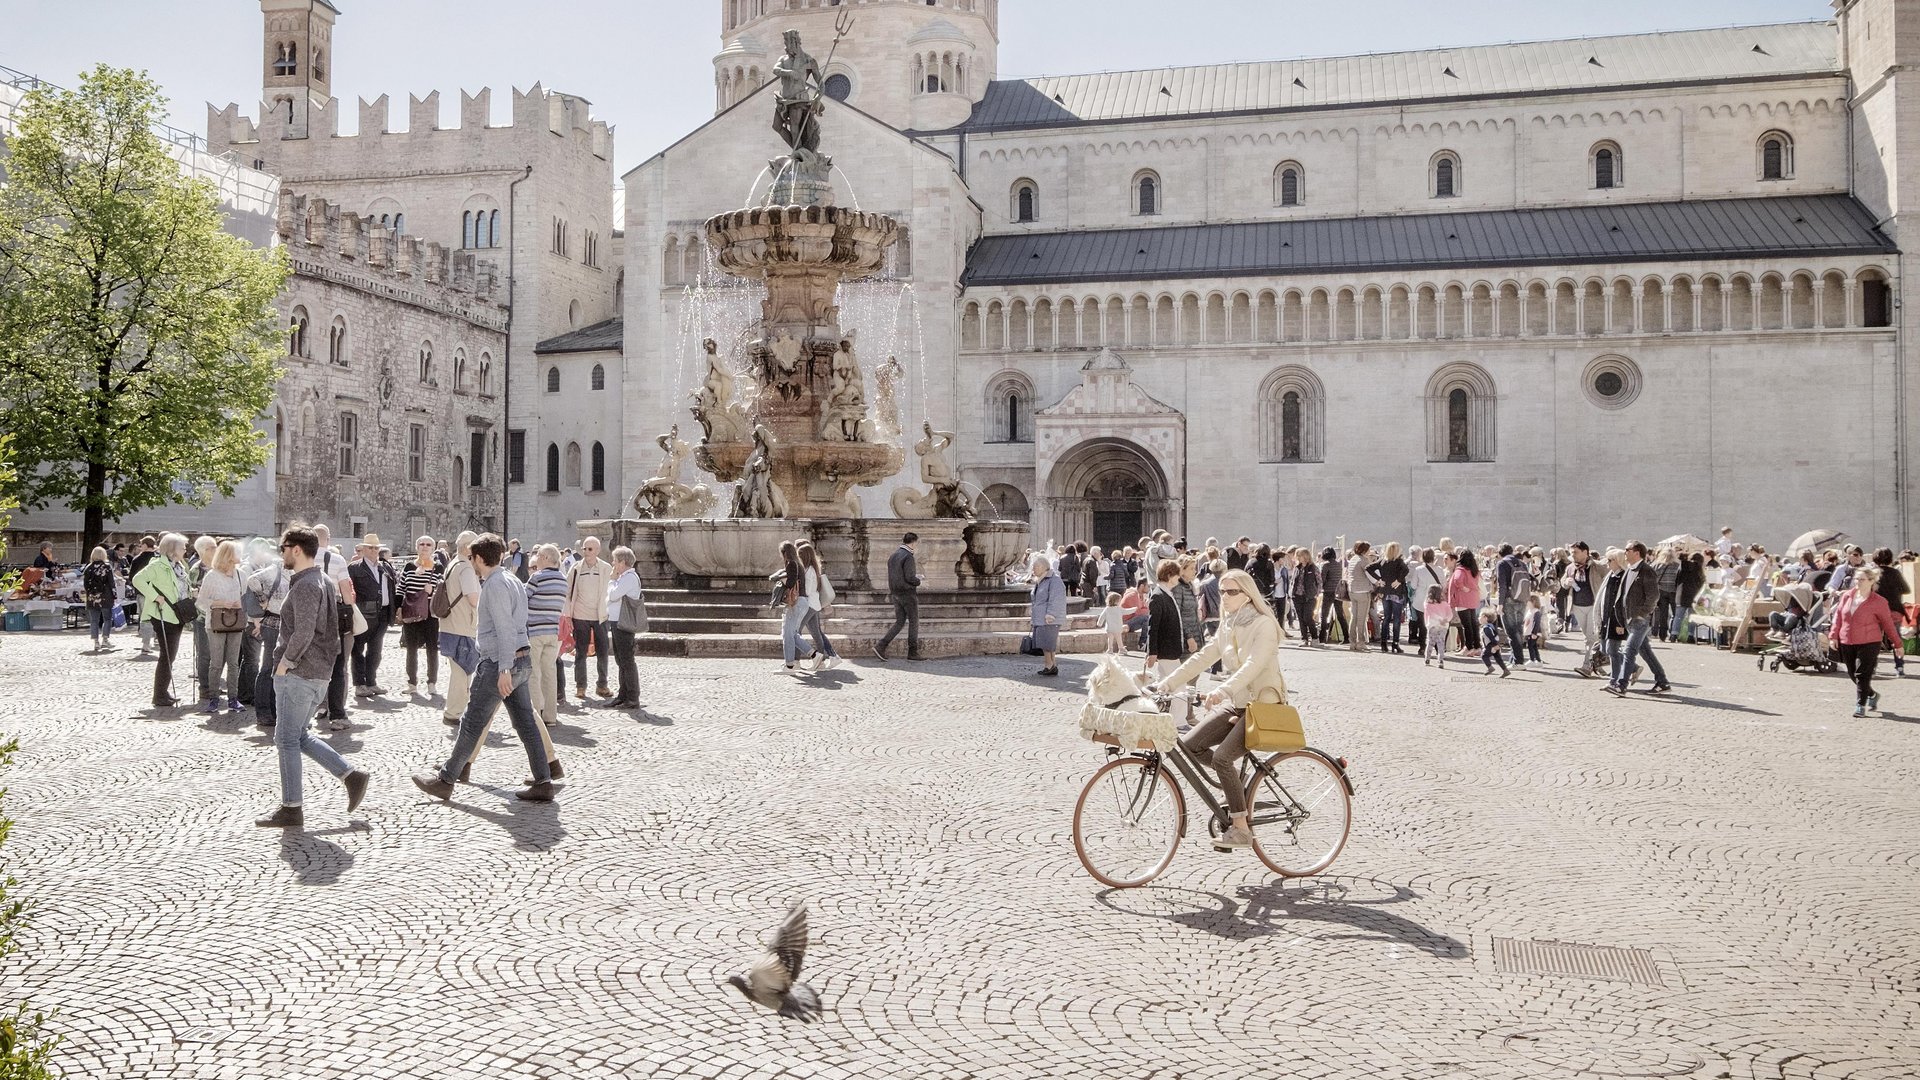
{"points": [[1233, 592]]}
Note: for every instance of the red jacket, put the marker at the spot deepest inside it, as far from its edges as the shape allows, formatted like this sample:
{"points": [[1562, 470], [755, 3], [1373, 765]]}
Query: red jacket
{"points": [[1858, 621]]}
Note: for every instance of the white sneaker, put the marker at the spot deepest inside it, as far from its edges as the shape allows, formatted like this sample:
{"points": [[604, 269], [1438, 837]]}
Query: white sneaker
{"points": [[1236, 836], [828, 662]]}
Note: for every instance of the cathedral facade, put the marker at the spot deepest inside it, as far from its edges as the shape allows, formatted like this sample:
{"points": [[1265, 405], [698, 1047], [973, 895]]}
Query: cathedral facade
{"points": [[1602, 287]]}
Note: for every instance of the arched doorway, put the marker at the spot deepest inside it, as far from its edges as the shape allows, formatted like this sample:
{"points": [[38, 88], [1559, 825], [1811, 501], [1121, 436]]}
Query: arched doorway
{"points": [[1109, 492]]}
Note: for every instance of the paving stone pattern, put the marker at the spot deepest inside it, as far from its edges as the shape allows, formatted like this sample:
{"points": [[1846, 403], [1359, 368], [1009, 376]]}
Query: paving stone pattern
{"points": [[1759, 842]]}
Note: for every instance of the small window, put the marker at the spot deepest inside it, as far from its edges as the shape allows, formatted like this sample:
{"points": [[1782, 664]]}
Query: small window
{"points": [[1026, 201], [297, 333], [1776, 156], [337, 341], [553, 380], [553, 467], [400, 223], [486, 373], [1607, 167], [599, 377], [1876, 302], [349, 443], [476, 458], [516, 457], [1287, 184], [285, 64], [493, 228], [1446, 175], [1146, 194], [460, 371], [597, 472], [838, 87], [426, 364], [572, 476], [416, 452], [1290, 426], [1612, 382], [466, 231]]}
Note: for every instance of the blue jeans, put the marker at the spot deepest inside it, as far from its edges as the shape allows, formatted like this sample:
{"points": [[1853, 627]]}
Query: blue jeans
{"points": [[99, 622], [293, 736], [1623, 651], [1513, 618], [813, 625], [1652, 662], [1393, 605], [483, 702], [791, 629]]}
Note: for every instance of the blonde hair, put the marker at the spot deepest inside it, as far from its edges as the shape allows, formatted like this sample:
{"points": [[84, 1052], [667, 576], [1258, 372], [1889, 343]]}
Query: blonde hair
{"points": [[99, 555], [1393, 550], [1240, 579], [226, 557]]}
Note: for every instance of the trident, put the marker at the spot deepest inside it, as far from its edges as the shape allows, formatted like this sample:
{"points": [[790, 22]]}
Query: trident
{"points": [[842, 25]]}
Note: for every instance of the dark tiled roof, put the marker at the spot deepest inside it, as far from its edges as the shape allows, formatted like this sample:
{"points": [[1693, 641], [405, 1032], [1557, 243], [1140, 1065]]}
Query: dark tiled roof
{"points": [[1803, 225], [599, 337]]}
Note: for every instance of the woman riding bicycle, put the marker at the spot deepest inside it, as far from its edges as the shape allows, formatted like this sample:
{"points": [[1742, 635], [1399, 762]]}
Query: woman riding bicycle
{"points": [[1248, 644]]}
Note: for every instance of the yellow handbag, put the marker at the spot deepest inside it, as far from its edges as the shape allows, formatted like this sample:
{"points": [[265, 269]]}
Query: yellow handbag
{"points": [[1274, 728]]}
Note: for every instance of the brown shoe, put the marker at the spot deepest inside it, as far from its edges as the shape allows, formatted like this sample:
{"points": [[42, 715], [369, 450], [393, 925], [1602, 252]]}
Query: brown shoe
{"points": [[554, 772], [603, 690], [431, 783], [466, 773], [356, 782], [536, 793]]}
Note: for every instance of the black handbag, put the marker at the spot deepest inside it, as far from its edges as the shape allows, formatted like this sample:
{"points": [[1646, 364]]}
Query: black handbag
{"points": [[185, 610]]}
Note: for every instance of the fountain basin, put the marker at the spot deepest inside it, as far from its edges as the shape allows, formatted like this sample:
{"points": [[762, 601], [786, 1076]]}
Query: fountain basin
{"points": [[727, 549], [770, 240], [992, 549], [817, 477]]}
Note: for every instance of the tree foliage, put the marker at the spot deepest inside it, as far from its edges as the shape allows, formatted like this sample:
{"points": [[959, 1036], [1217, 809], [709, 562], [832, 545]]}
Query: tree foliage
{"points": [[137, 338], [26, 1048]]}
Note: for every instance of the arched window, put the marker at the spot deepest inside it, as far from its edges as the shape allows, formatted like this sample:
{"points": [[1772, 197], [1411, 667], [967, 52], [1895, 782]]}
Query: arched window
{"points": [[598, 469], [573, 314], [460, 370], [426, 363], [1460, 414], [1445, 182], [1608, 166], [297, 332], [553, 467], [400, 223], [493, 228], [1146, 194], [1292, 416], [1776, 156], [337, 341], [466, 230], [1009, 408], [1289, 186], [572, 475], [553, 380], [1026, 201], [486, 373], [599, 377]]}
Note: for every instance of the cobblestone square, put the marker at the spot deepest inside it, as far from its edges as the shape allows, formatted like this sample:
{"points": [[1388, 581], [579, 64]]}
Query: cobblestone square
{"points": [[1753, 838]]}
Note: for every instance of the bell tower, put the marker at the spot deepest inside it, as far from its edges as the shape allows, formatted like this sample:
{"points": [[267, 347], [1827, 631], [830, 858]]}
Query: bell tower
{"points": [[917, 65], [296, 60]]}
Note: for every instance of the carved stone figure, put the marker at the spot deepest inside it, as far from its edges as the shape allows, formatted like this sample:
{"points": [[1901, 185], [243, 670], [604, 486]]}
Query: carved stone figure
{"points": [[846, 417], [757, 496], [721, 418], [945, 499], [666, 495], [889, 381], [797, 106]]}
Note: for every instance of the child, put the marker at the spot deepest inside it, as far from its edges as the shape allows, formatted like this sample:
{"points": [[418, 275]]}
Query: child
{"points": [[1114, 621], [1490, 650], [1438, 613], [1536, 627]]}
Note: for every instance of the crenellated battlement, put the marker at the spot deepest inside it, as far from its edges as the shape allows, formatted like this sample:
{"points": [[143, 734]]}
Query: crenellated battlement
{"points": [[538, 110], [325, 241]]}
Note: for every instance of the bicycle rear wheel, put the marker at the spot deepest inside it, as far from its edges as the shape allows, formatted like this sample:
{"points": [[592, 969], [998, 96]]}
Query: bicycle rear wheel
{"points": [[1127, 822], [1299, 813]]}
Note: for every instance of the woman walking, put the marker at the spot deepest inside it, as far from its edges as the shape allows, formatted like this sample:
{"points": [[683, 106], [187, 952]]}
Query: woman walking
{"points": [[419, 630], [219, 598], [820, 597], [101, 587], [1048, 611], [162, 584], [1862, 625]]}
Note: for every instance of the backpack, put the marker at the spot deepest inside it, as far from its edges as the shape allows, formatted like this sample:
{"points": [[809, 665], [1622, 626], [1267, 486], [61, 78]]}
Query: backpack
{"points": [[1520, 585], [443, 594]]}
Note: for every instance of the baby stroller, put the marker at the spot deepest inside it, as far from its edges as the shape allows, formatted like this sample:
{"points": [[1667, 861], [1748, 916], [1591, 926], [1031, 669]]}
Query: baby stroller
{"points": [[1806, 645]]}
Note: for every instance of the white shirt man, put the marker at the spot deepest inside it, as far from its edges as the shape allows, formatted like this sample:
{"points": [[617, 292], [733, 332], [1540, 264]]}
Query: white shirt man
{"points": [[587, 586]]}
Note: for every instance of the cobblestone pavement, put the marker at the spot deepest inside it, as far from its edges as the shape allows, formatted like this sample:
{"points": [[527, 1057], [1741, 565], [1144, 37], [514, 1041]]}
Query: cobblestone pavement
{"points": [[1754, 837]]}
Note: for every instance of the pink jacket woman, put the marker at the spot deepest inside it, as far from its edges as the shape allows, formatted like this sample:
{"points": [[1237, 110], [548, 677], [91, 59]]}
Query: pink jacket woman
{"points": [[1867, 620], [1463, 590]]}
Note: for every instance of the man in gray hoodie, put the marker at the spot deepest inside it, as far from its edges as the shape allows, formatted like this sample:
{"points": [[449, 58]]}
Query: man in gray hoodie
{"points": [[308, 645]]}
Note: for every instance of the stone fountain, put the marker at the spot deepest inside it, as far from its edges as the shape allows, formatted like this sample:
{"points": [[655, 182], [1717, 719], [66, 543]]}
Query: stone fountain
{"points": [[788, 422]]}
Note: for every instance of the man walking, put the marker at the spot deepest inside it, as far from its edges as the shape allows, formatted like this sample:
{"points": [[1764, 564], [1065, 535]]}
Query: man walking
{"points": [[903, 588], [376, 589], [1628, 599], [499, 676], [1583, 596], [309, 643], [587, 584], [334, 569], [1513, 581]]}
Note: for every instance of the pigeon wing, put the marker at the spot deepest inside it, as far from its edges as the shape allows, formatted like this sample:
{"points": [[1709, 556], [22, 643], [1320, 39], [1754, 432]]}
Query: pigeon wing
{"points": [[790, 940], [768, 979]]}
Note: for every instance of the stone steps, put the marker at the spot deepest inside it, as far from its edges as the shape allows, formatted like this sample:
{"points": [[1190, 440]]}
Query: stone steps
{"points": [[933, 643], [842, 624]]}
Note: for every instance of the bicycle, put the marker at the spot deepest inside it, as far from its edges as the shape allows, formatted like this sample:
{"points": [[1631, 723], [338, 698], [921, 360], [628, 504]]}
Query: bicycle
{"points": [[1131, 815]]}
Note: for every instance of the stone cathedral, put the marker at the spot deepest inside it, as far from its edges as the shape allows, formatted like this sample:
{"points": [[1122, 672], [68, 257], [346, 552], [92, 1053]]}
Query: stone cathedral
{"points": [[1603, 287]]}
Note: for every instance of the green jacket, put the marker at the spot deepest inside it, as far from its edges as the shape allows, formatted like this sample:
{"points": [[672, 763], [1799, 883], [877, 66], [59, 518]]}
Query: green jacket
{"points": [[158, 588]]}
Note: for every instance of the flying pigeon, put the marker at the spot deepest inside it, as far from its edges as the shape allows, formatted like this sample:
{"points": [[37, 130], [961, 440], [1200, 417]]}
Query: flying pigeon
{"points": [[772, 980]]}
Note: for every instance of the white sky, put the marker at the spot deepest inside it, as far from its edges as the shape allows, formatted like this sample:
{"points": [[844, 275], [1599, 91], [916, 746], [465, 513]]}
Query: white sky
{"points": [[647, 64]]}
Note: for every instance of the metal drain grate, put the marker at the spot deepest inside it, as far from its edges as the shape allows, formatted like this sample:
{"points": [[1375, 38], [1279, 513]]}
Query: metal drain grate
{"points": [[1515, 957]]}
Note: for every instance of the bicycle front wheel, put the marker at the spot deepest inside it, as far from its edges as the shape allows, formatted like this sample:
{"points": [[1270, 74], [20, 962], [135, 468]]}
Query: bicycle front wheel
{"points": [[1299, 813], [1127, 821]]}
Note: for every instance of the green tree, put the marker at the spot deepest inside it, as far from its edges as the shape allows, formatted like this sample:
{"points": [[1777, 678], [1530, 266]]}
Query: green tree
{"points": [[137, 338], [26, 1048]]}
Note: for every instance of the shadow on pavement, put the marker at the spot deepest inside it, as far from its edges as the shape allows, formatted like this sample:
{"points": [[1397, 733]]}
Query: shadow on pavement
{"points": [[315, 861], [533, 826], [1281, 907]]}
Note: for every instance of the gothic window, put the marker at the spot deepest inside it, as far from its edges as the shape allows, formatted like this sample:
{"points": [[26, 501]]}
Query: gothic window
{"points": [[1009, 408], [1608, 171], [493, 228], [427, 377], [599, 377], [1292, 416], [572, 476], [460, 371], [297, 333], [319, 70], [466, 230], [349, 442], [400, 223], [1146, 194], [1288, 184], [1446, 175], [838, 87], [1776, 156], [1026, 201], [598, 471], [337, 341], [486, 373], [553, 467], [287, 63], [553, 380], [1460, 414]]}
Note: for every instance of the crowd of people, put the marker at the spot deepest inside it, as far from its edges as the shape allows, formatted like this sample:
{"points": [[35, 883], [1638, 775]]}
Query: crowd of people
{"points": [[1496, 605]]}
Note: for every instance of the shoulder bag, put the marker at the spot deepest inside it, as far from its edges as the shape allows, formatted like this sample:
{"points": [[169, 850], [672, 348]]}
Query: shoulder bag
{"points": [[1274, 728], [633, 616], [226, 620]]}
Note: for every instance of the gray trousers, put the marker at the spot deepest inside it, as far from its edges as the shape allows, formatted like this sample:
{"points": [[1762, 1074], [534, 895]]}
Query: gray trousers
{"points": [[223, 665], [1224, 732]]}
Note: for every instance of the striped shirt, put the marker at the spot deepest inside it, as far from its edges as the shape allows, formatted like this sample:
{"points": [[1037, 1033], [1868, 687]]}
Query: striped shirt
{"points": [[546, 600], [418, 579]]}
